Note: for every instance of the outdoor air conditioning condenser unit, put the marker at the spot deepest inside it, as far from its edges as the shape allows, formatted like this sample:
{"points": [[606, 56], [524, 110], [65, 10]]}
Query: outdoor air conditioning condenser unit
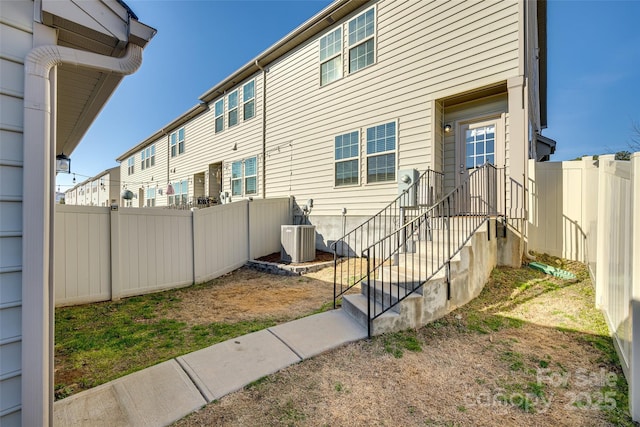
{"points": [[298, 243]]}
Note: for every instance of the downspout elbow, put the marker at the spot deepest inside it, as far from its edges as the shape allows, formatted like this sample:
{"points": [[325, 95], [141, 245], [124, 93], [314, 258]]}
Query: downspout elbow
{"points": [[42, 59]]}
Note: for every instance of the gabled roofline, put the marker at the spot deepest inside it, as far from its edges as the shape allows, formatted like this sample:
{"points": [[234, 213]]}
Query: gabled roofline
{"points": [[313, 26], [316, 24], [193, 112]]}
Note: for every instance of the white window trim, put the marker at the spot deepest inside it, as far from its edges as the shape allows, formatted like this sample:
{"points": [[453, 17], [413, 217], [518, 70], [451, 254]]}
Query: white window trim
{"points": [[172, 198], [359, 158], [150, 201], [236, 109], [217, 116], [253, 98], [374, 36], [366, 155], [243, 177], [131, 164], [340, 54], [178, 142]]}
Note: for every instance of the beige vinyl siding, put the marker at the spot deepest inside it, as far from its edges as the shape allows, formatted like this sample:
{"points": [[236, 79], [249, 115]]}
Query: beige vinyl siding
{"points": [[16, 39], [205, 147], [153, 176], [421, 48]]}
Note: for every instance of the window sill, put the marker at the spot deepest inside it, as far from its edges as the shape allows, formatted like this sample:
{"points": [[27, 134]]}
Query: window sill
{"points": [[338, 187]]}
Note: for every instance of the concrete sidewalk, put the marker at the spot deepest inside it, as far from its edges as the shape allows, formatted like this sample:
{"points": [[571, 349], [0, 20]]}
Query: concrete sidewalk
{"points": [[164, 393]]}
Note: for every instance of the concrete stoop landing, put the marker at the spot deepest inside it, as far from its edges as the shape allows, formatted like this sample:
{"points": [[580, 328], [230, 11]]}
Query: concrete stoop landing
{"points": [[470, 271]]}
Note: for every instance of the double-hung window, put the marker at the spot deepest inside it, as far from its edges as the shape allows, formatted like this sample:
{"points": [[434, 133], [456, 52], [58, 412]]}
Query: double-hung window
{"points": [[331, 56], [177, 143], [251, 175], [142, 159], [232, 106], [361, 40], [248, 100], [148, 157], [180, 190], [131, 165], [347, 159], [219, 113], [151, 197], [244, 174], [236, 178], [381, 153]]}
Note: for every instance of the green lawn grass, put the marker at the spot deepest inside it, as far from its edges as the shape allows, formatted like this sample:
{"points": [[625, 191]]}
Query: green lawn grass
{"points": [[96, 343]]}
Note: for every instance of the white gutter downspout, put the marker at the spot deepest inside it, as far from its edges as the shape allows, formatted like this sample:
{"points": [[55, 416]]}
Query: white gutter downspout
{"points": [[264, 130], [37, 217]]}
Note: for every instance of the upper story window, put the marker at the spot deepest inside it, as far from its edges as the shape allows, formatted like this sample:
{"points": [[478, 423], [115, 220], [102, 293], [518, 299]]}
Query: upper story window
{"points": [[361, 40], [148, 157], [347, 158], [331, 56], [232, 106], [94, 186], [248, 100], [177, 142], [131, 165], [219, 114], [381, 153]]}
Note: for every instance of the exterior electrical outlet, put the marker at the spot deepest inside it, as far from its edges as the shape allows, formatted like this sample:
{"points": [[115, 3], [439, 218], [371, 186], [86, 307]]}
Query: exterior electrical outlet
{"points": [[298, 243]]}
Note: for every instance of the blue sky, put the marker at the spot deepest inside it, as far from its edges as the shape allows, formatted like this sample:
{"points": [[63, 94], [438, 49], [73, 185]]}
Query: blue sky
{"points": [[593, 71]]}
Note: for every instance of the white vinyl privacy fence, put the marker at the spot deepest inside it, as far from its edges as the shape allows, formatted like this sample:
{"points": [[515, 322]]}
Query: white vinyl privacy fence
{"points": [[589, 211], [103, 254]]}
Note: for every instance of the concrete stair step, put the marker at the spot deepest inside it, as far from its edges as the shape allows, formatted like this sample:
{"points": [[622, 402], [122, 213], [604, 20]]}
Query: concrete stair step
{"points": [[400, 275], [389, 293], [356, 306]]}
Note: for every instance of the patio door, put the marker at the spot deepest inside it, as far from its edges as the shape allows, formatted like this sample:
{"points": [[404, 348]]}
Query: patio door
{"points": [[478, 142]]}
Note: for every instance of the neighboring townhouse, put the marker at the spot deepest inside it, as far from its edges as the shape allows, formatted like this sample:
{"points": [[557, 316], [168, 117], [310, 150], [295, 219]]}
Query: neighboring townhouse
{"points": [[100, 190], [359, 91], [60, 61]]}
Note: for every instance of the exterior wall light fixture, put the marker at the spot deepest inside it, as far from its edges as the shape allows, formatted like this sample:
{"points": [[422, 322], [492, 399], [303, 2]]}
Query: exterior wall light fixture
{"points": [[447, 128], [63, 163]]}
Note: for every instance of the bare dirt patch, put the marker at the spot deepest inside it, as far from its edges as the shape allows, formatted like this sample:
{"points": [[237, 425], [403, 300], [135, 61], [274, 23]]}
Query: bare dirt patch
{"points": [[246, 294]]}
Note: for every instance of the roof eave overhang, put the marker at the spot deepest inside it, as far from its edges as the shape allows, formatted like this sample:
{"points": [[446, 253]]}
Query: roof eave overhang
{"points": [[318, 23], [104, 27], [542, 58]]}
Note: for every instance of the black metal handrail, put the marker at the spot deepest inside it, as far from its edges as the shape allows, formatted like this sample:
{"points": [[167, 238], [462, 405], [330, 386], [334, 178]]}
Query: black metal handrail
{"points": [[399, 263], [349, 269]]}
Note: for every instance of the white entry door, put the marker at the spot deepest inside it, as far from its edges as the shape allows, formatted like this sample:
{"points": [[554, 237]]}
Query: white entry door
{"points": [[479, 142]]}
